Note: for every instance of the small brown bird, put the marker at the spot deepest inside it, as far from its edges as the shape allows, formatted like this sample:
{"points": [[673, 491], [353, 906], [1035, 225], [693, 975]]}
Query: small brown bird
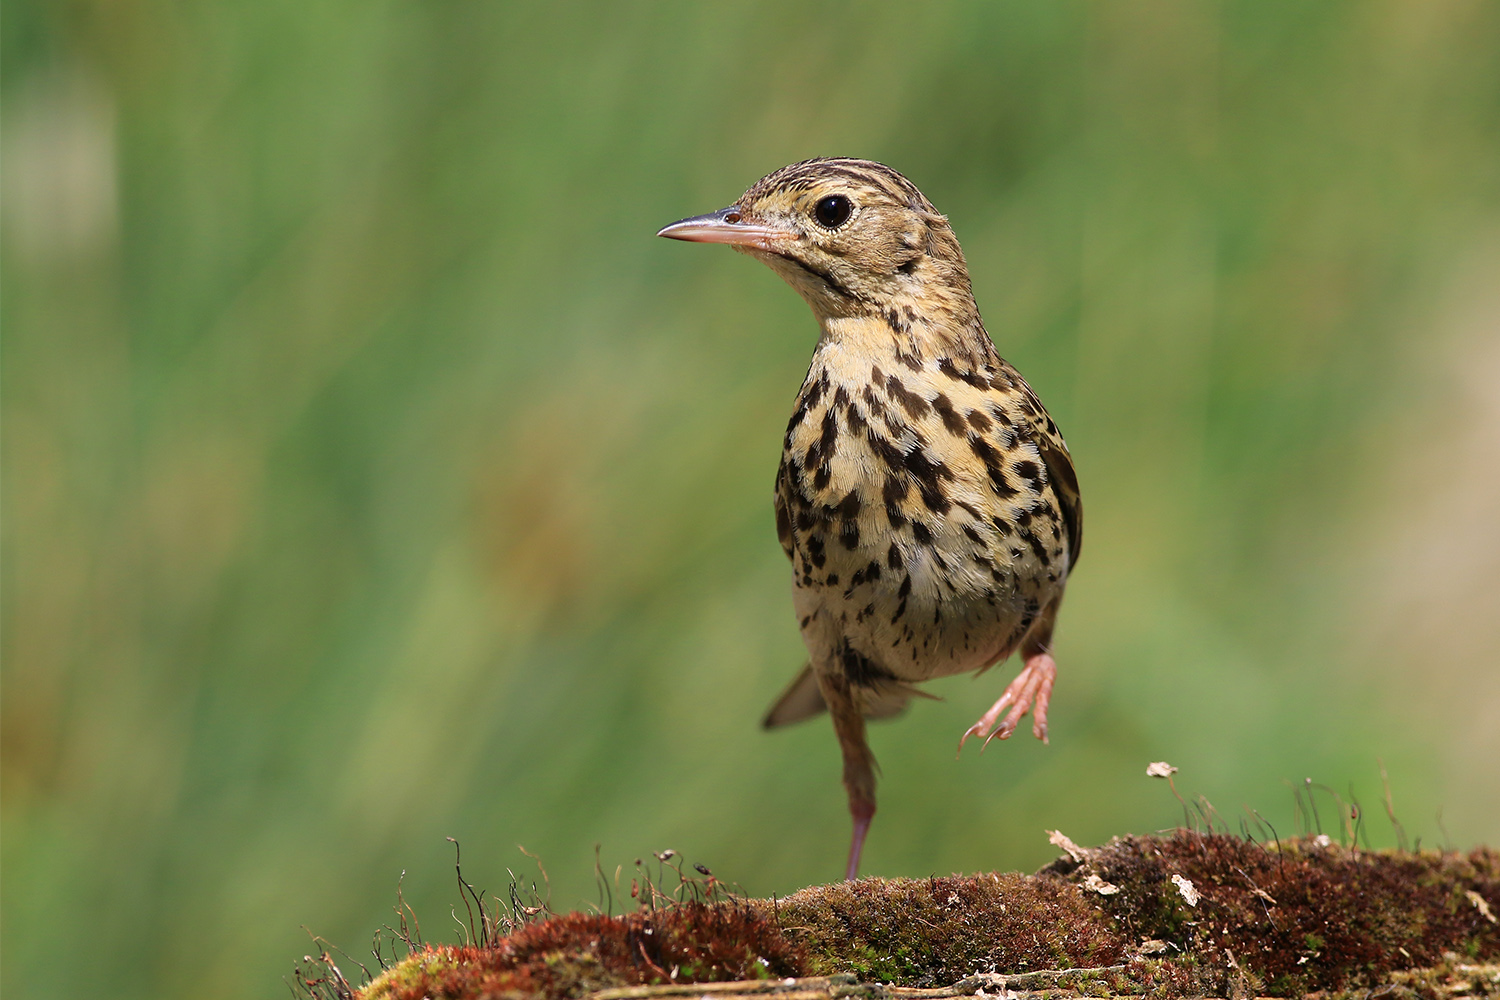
{"points": [[926, 499]]}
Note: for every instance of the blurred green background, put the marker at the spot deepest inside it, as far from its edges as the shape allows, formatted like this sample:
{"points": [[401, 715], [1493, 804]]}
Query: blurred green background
{"points": [[373, 475]]}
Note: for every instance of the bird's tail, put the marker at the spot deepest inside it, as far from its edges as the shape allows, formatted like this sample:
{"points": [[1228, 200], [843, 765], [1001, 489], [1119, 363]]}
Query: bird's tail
{"points": [[801, 700]]}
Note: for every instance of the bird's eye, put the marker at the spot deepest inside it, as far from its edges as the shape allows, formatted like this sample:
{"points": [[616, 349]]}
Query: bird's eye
{"points": [[833, 211]]}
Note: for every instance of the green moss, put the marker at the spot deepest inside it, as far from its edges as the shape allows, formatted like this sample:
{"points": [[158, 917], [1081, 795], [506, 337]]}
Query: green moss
{"points": [[927, 932]]}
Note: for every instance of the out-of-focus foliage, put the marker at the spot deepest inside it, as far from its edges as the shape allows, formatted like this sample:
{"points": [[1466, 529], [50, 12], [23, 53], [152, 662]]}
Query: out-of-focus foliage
{"points": [[372, 474]]}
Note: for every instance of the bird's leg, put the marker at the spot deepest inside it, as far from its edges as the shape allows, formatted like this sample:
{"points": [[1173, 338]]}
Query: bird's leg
{"points": [[1032, 687], [863, 810], [859, 762]]}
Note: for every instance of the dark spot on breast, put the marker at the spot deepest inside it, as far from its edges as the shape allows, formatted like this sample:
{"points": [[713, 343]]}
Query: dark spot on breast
{"points": [[872, 571], [910, 401], [994, 466], [856, 420], [830, 435], [893, 557], [984, 451], [849, 506], [832, 580], [896, 322], [925, 469], [814, 391], [798, 415], [907, 267], [885, 450], [948, 368], [909, 360], [1029, 470], [905, 587], [920, 532], [972, 535], [814, 546], [927, 473], [849, 534], [951, 419], [1037, 547], [895, 489], [979, 421], [893, 493], [935, 501], [900, 610], [822, 477]]}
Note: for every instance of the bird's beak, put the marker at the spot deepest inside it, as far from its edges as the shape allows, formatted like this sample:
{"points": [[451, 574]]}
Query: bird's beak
{"points": [[728, 225]]}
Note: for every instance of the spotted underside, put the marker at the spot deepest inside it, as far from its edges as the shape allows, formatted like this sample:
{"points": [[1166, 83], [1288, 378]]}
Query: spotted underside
{"points": [[929, 508]]}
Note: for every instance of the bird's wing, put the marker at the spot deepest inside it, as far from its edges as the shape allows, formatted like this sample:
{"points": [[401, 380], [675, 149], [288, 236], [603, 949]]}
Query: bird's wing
{"points": [[1060, 471], [783, 513]]}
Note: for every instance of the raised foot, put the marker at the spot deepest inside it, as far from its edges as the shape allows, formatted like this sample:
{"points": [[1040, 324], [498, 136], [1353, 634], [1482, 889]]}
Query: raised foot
{"points": [[1030, 691]]}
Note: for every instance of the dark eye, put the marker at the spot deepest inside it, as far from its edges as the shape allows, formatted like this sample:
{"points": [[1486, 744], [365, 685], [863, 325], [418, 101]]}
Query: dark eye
{"points": [[833, 211]]}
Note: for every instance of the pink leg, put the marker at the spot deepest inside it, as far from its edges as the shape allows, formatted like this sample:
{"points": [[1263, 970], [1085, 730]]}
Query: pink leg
{"points": [[1033, 685], [859, 763], [862, 812]]}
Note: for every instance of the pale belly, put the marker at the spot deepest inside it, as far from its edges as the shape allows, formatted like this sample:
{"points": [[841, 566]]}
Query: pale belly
{"points": [[917, 611]]}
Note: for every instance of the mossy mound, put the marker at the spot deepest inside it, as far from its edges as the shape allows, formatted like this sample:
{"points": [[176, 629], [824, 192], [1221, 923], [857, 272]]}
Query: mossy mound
{"points": [[579, 953], [936, 931], [1187, 915], [1299, 916]]}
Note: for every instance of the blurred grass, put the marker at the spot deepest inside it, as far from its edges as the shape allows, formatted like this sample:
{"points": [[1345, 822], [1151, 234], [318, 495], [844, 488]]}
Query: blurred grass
{"points": [[373, 476]]}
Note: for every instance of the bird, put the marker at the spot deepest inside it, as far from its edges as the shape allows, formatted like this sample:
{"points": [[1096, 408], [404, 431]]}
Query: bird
{"points": [[927, 501]]}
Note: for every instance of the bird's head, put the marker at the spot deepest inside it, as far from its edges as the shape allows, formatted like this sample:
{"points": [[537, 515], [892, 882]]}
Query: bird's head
{"points": [[853, 237]]}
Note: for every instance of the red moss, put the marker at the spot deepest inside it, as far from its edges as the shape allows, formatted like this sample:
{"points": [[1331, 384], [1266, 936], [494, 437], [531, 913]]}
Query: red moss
{"points": [[574, 954]]}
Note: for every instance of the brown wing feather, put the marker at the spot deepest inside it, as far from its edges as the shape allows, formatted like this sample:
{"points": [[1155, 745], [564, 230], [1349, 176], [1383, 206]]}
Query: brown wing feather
{"points": [[1060, 471]]}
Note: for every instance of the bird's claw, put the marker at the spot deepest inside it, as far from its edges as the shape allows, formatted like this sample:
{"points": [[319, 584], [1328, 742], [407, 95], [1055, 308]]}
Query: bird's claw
{"points": [[1030, 691]]}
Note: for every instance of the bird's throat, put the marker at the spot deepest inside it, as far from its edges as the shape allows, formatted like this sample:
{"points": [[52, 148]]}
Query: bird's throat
{"points": [[902, 334]]}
